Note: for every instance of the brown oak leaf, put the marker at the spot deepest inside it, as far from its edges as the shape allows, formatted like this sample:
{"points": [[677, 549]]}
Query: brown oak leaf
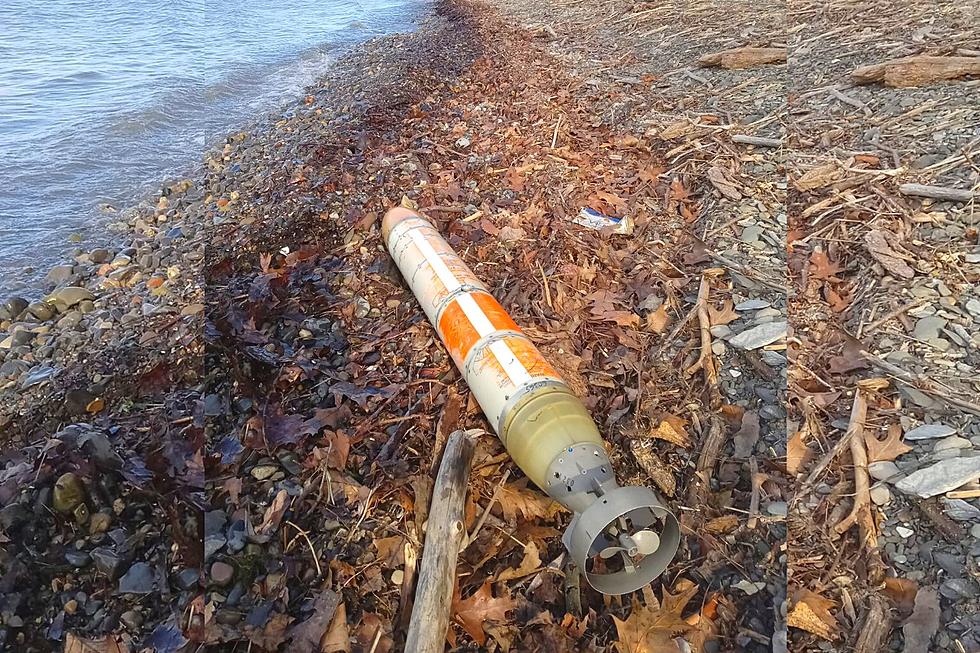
{"points": [[473, 612], [888, 449]]}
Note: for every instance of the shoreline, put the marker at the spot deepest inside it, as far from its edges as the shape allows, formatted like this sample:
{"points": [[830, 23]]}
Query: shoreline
{"points": [[115, 354]]}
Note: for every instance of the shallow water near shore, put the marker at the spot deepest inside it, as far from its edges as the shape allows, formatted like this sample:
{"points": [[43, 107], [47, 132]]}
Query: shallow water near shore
{"points": [[100, 102]]}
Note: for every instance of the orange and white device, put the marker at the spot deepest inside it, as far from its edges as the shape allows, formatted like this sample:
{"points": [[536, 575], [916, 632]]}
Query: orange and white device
{"points": [[620, 537]]}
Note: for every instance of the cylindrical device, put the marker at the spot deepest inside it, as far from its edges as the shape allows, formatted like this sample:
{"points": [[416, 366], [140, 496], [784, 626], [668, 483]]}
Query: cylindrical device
{"points": [[621, 537]]}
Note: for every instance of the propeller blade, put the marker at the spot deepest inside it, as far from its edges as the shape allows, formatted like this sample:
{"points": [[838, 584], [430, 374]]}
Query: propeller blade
{"points": [[646, 542]]}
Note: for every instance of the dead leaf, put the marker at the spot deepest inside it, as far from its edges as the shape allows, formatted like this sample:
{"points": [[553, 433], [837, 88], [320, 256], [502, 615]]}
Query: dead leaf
{"points": [[676, 130], [902, 592], [651, 628], [530, 503], [796, 452], [721, 525], [923, 623], [530, 564], [821, 267], [877, 244], [888, 449], [838, 302], [724, 315], [672, 429], [658, 320], [718, 179], [818, 177], [811, 613], [107, 644], [481, 607], [337, 637], [306, 635], [747, 435], [273, 515]]}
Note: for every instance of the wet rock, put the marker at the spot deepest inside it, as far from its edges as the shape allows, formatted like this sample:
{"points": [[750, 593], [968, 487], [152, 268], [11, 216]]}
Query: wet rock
{"points": [[138, 580], [99, 522], [68, 297], [929, 431], [939, 478], [222, 573], [188, 578], [14, 516], [132, 620], [78, 400], [759, 336], [41, 310], [69, 493], [60, 274], [15, 306], [958, 588], [99, 255], [108, 561], [264, 472], [78, 559]]}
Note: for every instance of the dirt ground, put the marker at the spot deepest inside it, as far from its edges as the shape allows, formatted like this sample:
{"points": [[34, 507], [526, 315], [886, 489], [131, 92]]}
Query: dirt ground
{"points": [[778, 301]]}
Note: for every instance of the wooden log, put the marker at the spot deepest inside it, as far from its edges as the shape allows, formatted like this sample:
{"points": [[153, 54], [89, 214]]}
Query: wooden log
{"points": [[746, 57], [917, 70], [443, 537], [876, 628], [943, 193], [757, 140]]}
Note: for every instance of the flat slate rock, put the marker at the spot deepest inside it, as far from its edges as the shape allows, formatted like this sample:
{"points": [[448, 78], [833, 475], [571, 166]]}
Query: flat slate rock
{"points": [[929, 431], [939, 478], [759, 336]]}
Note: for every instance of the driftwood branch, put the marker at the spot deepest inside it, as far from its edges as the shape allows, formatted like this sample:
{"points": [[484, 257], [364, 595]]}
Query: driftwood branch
{"points": [[759, 141], [443, 538], [943, 193], [876, 628], [744, 57], [917, 71]]}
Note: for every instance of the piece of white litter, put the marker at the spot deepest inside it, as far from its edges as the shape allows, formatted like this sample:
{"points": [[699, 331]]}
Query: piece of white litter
{"points": [[594, 220]]}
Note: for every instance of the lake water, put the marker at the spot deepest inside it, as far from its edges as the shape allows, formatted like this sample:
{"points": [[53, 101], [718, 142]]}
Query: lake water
{"points": [[101, 101]]}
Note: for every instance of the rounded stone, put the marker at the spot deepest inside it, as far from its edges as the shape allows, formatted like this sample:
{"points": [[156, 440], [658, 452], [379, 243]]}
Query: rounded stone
{"points": [[15, 306], [222, 573], [69, 493], [41, 310]]}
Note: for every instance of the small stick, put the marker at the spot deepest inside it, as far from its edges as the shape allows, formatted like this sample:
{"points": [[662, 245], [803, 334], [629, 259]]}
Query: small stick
{"points": [[443, 537], [943, 193], [876, 627], [757, 480], [861, 510], [842, 444], [759, 141], [922, 384], [893, 314], [706, 360], [486, 512]]}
